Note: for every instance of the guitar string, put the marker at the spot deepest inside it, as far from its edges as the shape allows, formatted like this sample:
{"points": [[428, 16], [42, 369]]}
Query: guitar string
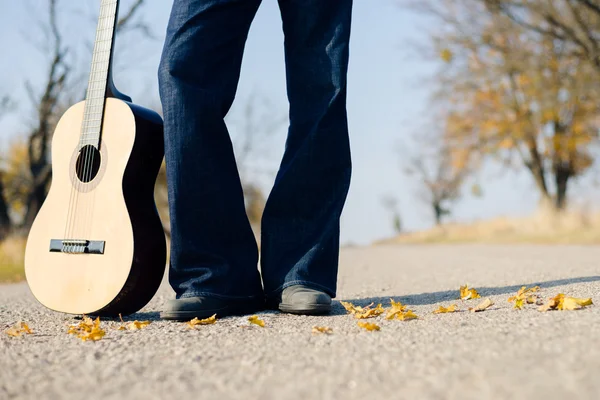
{"points": [[110, 22], [99, 102], [82, 157], [74, 227]]}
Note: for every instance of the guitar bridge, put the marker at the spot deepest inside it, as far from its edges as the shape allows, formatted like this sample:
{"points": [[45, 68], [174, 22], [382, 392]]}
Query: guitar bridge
{"points": [[76, 246]]}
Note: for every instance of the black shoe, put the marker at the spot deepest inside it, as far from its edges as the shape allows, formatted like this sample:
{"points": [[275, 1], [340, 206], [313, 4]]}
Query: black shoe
{"points": [[203, 307], [299, 299]]}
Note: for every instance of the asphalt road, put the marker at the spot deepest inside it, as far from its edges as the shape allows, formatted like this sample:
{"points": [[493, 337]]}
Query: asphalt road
{"points": [[500, 353]]}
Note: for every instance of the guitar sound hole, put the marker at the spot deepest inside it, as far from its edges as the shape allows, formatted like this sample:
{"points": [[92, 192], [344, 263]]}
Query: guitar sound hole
{"points": [[88, 163]]}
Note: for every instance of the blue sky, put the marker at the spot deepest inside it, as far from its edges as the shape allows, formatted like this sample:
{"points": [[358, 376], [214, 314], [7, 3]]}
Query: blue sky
{"points": [[387, 100]]}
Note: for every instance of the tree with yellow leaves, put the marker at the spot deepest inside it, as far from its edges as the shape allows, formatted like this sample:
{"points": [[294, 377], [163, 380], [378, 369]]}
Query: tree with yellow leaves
{"points": [[515, 95]]}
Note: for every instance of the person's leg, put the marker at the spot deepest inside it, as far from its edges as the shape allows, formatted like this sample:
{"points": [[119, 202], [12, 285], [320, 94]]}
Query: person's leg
{"points": [[300, 226], [213, 249]]}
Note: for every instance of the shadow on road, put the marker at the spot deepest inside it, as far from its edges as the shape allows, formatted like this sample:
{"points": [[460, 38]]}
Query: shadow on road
{"points": [[449, 295]]}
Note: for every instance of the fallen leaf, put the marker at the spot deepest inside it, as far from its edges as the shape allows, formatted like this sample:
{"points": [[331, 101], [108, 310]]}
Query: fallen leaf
{"points": [[523, 296], [368, 326], [445, 310], [132, 326], [518, 303], [254, 320], [18, 329], [483, 305], [322, 329], [350, 308], [87, 329], [405, 316], [205, 321], [565, 303], [362, 312], [395, 309], [468, 294], [532, 299], [370, 312]]}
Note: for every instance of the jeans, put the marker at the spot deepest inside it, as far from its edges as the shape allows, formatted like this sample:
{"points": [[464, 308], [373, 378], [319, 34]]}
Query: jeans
{"points": [[213, 249]]}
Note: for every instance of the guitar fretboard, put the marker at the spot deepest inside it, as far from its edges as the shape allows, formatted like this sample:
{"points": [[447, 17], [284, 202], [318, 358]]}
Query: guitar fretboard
{"points": [[100, 69]]}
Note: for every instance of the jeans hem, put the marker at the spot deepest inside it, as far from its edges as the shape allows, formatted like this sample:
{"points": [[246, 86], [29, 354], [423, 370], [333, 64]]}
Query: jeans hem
{"points": [[219, 296], [309, 284]]}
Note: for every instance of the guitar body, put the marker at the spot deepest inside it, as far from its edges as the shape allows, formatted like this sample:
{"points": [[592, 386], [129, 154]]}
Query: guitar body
{"points": [[118, 260]]}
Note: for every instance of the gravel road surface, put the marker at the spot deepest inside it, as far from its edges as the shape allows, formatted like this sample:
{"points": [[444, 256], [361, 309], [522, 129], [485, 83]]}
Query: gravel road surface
{"points": [[500, 353]]}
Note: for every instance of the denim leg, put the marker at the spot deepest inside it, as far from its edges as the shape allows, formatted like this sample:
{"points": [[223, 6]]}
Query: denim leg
{"points": [[300, 226], [213, 249]]}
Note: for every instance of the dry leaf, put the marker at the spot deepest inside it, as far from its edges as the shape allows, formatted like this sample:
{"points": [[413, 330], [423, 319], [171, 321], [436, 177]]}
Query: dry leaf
{"points": [[483, 305], [205, 321], [562, 302], [518, 303], [405, 316], [87, 329], [468, 294], [132, 326], [322, 329], [18, 329], [524, 295], [370, 312], [368, 326], [254, 320], [445, 310], [350, 307], [532, 299], [395, 309], [572, 303], [362, 312]]}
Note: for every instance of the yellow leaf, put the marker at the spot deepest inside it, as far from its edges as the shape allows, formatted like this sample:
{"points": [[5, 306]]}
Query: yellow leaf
{"points": [[468, 294], [368, 326], [445, 310], [18, 329], [205, 321], [572, 303], [95, 334], [87, 329], [134, 326], [370, 312], [254, 320], [446, 55], [322, 329], [524, 295], [519, 303], [562, 302], [484, 305], [408, 315], [363, 312], [395, 309], [350, 307]]}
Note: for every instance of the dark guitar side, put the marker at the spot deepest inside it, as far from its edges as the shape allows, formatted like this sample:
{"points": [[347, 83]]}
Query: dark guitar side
{"points": [[149, 259]]}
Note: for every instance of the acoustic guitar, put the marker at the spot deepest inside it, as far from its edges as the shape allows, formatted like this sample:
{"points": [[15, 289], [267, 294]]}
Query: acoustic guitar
{"points": [[97, 245]]}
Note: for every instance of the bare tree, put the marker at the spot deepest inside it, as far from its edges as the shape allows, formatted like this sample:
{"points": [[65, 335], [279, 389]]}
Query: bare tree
{"points": [[390, 204], [6, 105], [575, 23], [441, 173], [514, 95], [51, 103]]}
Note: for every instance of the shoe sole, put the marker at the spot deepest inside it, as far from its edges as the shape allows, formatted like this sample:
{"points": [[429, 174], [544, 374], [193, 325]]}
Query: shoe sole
{"points": [[308, 309], [201, 314]]}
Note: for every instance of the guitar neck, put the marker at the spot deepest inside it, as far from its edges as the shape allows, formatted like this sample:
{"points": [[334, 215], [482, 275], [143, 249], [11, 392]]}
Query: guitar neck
{"points": [[99, 74]]}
